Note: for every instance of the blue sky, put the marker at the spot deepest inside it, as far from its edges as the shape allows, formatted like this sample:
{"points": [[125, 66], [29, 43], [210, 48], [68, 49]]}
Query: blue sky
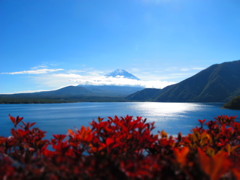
{"points": [[48, 44]]}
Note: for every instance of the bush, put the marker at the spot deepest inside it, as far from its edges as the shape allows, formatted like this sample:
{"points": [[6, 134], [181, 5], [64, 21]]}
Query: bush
{"points": [[122, 148], [234, 103]]}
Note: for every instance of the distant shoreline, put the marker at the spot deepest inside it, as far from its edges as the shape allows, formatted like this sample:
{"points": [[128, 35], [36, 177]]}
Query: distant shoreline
{"points": [[51, 101]]}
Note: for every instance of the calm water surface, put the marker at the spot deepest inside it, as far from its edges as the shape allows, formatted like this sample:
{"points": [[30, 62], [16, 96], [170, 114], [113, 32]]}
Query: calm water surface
{"points": [[58, 118]]}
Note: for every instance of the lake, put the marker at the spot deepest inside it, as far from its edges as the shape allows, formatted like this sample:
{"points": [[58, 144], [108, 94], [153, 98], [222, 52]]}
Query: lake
{"points": [[58, 118]]}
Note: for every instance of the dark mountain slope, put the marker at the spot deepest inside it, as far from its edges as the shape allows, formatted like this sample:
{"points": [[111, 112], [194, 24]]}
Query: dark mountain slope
{"points": [[68, 91], [217, 83], [147, 94], [112, 90], [88, 93], [233, 104]]}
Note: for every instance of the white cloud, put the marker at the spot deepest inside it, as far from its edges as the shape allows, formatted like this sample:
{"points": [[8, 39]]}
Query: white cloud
{"points": [[57, 80], [168, 74], [121, 81], [198, 68], [191, 69], [28, 91], [183, 69], [52, 78], [150, 78], [35, 71], [39, 67]]}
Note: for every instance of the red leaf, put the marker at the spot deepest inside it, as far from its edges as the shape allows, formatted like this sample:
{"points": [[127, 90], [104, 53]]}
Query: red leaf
{"points": [[109, 141], [15, 120]]}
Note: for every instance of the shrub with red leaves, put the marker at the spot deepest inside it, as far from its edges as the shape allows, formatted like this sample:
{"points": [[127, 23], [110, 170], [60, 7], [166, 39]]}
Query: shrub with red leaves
{"points": [[122, 148]]}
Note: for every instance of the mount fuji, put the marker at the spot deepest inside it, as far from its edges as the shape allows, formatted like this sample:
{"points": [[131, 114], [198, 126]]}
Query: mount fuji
{"points": [[122, 73], [79, 93]]}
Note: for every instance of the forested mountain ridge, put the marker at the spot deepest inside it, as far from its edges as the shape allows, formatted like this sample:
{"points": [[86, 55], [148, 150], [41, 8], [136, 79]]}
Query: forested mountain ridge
{"points": [[147, 94], [217, 83], [82, 93]]}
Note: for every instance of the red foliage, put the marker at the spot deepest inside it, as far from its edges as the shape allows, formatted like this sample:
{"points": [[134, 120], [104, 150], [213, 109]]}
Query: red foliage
{"points": [[15, 120], [122, 148]]}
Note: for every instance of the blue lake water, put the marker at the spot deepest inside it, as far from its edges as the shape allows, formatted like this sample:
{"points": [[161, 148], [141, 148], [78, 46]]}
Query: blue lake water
{"points": [[58, 118]]}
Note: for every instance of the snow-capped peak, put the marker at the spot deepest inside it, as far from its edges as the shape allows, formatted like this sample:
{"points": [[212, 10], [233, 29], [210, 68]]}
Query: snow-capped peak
{"points": [[122, 73]]}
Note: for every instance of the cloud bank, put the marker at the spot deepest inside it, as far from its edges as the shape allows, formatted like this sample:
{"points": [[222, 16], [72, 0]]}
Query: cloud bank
{"points": [[35, 71], [66, 79], [43, 77]]}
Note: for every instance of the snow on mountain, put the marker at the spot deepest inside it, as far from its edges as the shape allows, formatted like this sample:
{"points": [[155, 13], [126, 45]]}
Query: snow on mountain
{"points": [[122, 73]]}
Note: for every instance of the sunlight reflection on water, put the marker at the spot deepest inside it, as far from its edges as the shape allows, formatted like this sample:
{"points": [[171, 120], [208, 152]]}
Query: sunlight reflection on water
{"points": [[166, 109], [58, 118]]}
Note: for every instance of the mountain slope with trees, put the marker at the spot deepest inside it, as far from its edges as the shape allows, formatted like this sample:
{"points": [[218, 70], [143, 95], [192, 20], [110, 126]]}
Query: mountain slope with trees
{"points": [[233, 104], [87, 93], [217, 83], [147, 94]]}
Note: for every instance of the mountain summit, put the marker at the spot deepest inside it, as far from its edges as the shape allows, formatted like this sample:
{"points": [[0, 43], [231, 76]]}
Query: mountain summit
{"points": [[122, 73]]}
